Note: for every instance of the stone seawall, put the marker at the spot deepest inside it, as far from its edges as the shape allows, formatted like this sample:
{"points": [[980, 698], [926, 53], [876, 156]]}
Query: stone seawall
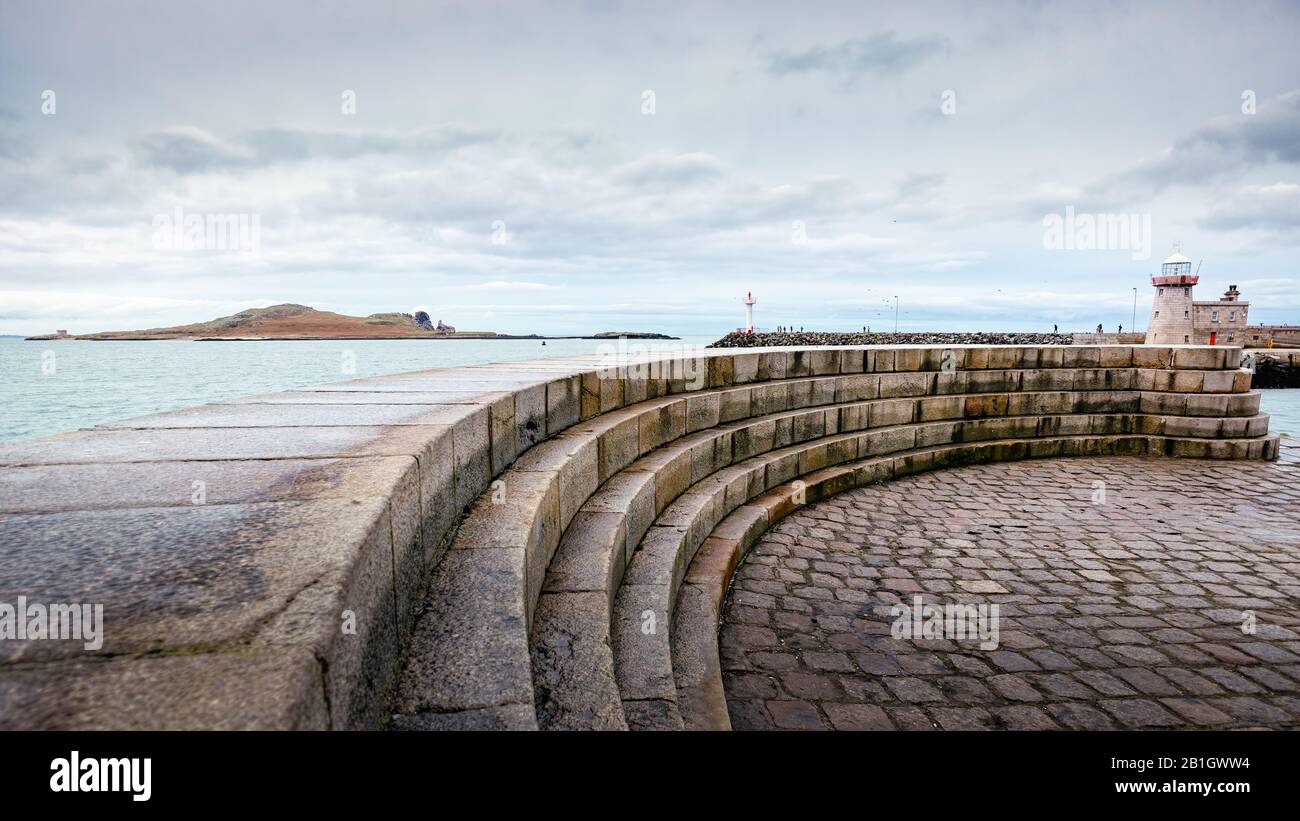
{"points": [[479, 547]]}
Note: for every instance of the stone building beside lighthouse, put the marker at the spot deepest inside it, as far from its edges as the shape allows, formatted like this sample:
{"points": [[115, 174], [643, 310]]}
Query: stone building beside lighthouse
{"points": [[1178, 319]]}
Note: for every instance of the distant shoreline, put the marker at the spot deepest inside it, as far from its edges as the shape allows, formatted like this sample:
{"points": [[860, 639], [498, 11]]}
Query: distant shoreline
{"points": [[292, 322], [448, 338]]}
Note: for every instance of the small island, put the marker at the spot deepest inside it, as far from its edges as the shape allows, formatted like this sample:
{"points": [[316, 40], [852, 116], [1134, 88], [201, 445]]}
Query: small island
{"points": [[300, 322]]}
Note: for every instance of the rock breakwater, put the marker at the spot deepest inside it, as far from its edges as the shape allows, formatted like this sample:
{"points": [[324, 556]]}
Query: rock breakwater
{"points": [[736, 339]]}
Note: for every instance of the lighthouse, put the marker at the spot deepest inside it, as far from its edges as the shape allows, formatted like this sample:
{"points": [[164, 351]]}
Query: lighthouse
{"points": [[1172, 322], [749, 312]]}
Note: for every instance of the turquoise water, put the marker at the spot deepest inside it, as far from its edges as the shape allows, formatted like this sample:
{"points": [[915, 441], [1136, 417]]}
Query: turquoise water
{"points": [[1283, 408], [51, 387]]}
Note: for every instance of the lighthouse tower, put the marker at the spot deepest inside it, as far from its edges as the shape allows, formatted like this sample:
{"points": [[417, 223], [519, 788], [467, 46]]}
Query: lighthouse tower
{"points": [[749, 312], [1172, 320]]}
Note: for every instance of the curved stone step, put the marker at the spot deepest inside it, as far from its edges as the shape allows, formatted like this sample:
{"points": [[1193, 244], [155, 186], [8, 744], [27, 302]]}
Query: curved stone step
{"points": [[647, 598], [513, 541], [571, 656], [470, 652], [571, 644]]}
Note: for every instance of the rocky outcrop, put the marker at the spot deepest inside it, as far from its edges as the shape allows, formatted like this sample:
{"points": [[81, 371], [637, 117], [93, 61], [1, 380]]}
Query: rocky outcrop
{"points": [[422, 321]]}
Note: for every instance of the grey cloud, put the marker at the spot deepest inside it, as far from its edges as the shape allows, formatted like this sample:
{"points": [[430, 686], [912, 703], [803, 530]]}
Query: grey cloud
{"points": [[881, 54], [670, 169], [1275, 207], [188, 150], [1219, 149]]}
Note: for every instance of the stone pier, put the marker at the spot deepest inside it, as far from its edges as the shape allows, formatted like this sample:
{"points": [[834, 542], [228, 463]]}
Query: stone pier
{"points": [[543, 544]]}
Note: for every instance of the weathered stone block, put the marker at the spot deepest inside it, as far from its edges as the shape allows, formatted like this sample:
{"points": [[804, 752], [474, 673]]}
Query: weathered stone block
{"points": [[619, 446], [1163, 403], [563, 403], [1115, 356], [1242, 404], [892, 412], [744, 368], [1159, 358], [1207, 405], [770, 398], [993, 404], [808, 425], [891, 440], [880, 361], [854, 417], [1188, 381], [733, 405], [253, 688], [1205, 359], [1053, 379], [702, 411], [936, 433], [530, 416], [720, 371], [470, 650], [711, 455], [909, 359], [1103, 379], [905, 384], [935, 408], [852, 361], [753, 439], [663, 424], [1217, 381], [999, 381], [591, 556], [1076, 356], [975, 359], [858, 388], [1019, 404], [771, 365]]}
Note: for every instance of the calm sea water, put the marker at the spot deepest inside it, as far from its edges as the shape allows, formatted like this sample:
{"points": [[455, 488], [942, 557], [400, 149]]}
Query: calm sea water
{"points": [[52, 387]]}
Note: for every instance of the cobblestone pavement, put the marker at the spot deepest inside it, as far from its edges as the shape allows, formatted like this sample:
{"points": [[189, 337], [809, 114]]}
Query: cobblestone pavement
{"points": [[1126, 612]]}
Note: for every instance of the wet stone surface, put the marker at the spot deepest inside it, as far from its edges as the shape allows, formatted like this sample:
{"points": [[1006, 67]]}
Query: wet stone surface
{"points": [[1115, 612]]}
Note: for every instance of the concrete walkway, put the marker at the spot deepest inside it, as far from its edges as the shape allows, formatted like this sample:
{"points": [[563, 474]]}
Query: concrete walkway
{"points": [[1119, 612]]}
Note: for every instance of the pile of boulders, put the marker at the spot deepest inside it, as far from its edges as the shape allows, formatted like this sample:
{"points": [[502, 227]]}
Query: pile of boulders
{"points": [[738, 339]]}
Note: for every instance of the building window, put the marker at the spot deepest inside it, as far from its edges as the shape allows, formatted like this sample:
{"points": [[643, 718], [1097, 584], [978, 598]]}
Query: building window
{"points": [[1186, 338], [1232, 316], [1157, 314], [1186, 314], [1214, 316]]}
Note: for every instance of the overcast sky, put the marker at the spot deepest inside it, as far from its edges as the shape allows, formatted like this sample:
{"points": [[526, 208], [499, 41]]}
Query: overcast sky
{"points": [[505, 168]]}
